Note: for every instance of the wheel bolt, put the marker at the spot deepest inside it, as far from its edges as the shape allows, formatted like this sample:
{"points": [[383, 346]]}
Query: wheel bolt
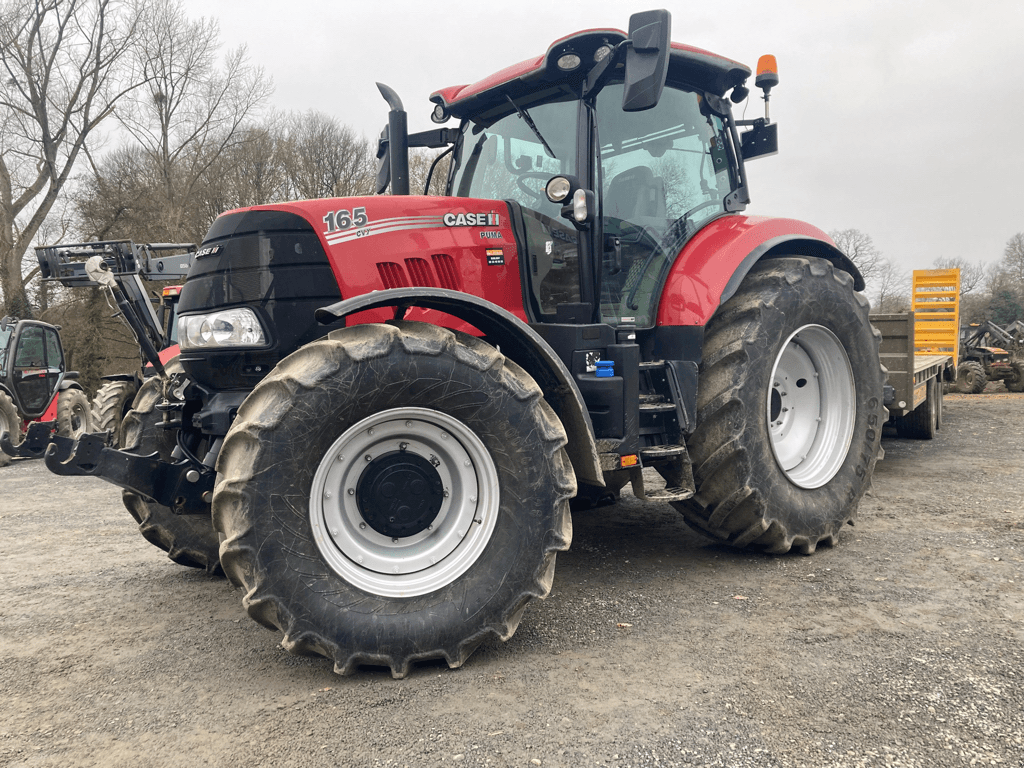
{"points": [[368, 457], [362, 526], [351, 491], [394, 540], [444, 435], [327, 494]]}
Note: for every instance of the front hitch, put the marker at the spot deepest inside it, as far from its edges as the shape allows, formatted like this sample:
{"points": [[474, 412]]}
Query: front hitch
{"points": [[34, 444], [184, 487]]}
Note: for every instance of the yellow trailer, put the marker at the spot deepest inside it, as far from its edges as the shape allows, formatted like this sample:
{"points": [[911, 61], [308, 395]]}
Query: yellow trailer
{"points": [[919, 351]]}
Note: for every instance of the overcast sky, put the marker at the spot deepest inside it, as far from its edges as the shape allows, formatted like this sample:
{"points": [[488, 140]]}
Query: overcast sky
{"points": [[901, 119]]}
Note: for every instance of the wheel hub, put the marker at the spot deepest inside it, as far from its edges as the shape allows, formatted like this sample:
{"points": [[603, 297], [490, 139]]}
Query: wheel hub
{"points": [[811, 406], [404, 502], [399, 494]]}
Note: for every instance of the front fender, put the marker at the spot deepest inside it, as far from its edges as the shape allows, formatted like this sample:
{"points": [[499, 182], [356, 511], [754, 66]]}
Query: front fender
{"points": [[713, 264], [518, 341]]}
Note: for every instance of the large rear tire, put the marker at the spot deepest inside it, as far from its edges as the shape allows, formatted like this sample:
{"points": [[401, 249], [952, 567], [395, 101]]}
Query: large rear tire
{"points": [[10, 423], [393, 493], [188, 540], [74, 415], [970, 378], [789, 409], [111, 404]]}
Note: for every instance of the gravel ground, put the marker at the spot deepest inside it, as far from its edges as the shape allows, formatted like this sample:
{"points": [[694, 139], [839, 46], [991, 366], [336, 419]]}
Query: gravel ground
{"points": [[902, 646]]}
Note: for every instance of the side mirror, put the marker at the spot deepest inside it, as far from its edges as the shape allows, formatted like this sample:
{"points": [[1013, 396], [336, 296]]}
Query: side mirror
{"points": [[646, 59]]}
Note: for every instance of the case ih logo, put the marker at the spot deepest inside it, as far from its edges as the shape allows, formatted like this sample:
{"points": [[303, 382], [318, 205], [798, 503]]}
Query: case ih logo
{"points": [[472, 220]]}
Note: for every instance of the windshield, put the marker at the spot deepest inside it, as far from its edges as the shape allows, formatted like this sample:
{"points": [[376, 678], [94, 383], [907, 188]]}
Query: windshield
{"points": [[664, 172]]}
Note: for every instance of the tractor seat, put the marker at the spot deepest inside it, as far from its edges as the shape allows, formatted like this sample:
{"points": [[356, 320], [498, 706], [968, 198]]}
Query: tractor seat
{"points": [[637, 196]]}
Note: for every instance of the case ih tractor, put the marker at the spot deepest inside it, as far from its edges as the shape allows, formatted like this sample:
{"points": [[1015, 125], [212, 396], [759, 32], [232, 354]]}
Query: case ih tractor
{"points": [[384, 405], [36, 390], [119, 266]]}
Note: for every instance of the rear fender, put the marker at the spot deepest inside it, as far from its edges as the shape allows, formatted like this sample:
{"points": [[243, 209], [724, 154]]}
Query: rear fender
{"points": [[517, 341], [713, 264]]}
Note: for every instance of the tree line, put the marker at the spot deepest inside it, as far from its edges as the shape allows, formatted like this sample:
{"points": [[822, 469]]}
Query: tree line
{"points": [[994, 292], [122, 119]]}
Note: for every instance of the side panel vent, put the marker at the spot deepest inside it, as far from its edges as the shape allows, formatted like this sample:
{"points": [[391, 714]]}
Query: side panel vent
{"points": [[419, 271], [446, 271], [392, 274]]}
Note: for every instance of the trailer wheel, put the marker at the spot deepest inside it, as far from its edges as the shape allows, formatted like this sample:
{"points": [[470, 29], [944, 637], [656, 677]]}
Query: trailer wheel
{"points": [[188, 540], [112, 402], [393, 493], [74, 416], [970, 378], [1015, 381], [10, 422], [789, 409], [923, 422]]}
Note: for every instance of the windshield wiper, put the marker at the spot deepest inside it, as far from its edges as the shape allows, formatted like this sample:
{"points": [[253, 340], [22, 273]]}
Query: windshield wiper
{"points": [[529, 121]]}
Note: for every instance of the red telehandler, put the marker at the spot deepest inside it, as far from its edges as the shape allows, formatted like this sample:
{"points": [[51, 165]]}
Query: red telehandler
{"points": [[38, 395], [384, 405]]}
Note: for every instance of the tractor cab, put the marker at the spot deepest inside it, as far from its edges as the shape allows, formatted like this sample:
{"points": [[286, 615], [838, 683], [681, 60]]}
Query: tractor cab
{"points": [[31, 364]]}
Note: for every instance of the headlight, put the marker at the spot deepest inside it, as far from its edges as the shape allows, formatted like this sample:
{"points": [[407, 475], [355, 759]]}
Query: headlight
{"points": [[227, 328]]}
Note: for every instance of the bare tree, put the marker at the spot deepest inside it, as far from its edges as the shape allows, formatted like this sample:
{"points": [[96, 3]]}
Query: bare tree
{"points": [[861, 251], [191, 112], [893, 288], [327, 159], [972, 273], [62, 71], [1013, 259]]}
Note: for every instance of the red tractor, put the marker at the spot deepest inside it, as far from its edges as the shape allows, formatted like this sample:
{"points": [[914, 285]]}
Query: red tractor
{"points": [[37, 389], [384, 405]]}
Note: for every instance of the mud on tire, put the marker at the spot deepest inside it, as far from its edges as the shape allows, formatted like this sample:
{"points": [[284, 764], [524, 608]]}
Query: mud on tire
{"points": [[10, 422], [112, 402], [304, 473], [802, 318], [971, 378], [74, 414], [188, 540]]}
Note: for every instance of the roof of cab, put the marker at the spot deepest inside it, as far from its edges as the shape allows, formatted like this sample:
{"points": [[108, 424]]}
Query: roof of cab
{"points": [[687, 64]]}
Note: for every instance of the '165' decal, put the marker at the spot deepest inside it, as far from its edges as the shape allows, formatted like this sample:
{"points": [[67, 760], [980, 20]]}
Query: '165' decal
{"points": [[338, 221]]}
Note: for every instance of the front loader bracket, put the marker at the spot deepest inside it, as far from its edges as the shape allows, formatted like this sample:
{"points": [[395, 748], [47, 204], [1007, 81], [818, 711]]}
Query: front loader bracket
{"points": [[34, 445], [183, 486]]}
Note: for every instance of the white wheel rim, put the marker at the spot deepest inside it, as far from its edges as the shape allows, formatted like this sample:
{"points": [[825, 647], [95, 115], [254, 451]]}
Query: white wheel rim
{"points": [[812, 406], [408, 565]]}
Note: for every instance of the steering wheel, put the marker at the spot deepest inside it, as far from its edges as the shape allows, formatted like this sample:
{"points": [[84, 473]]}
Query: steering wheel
{"points": [[533, 175]]}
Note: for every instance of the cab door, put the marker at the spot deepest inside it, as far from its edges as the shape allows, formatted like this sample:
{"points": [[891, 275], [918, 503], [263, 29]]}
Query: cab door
{"points": [[664, 173], [37, 364]]}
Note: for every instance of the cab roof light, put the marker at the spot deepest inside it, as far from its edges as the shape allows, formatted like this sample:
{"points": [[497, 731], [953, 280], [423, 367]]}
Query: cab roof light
{"points": [[766, 79]]}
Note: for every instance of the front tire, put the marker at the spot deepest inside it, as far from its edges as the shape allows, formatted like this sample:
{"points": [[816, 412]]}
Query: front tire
{"points": [[393, 493], [10, 422], [190, 539], [789, 409], [970, 378], [74, 415]]}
